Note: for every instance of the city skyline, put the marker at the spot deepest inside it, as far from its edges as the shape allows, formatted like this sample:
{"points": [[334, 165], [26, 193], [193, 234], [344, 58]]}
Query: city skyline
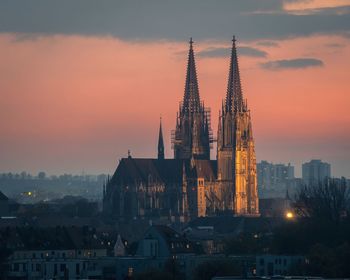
{"points": [[73, 100]]}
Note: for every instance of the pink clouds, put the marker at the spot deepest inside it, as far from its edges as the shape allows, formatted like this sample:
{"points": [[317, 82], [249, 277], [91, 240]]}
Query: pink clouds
{"points": [[304, 6], [69, 103]]}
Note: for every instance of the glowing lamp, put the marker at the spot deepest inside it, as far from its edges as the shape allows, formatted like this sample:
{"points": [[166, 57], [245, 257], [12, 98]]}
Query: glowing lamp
{"points": [[289, 215]]}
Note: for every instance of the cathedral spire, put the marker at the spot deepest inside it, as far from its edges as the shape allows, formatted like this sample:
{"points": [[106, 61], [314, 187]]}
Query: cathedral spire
{"points": [[160, 141], [191, 101], [234, 97], [192, 135]]}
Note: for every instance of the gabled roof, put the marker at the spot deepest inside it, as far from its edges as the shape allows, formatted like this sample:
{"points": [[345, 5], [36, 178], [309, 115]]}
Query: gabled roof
{"points": [[132, 170], [165, 171], [204, 169], [3, 197], [34, 238], [175, 241], [233, 225]]}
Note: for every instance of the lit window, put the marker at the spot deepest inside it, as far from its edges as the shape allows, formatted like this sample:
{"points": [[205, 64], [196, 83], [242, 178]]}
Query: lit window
{"points": [[130, 271]]}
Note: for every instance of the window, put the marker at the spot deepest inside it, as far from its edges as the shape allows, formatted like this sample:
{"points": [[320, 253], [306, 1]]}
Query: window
{"points": [[38, 267], [261, 261], [77, 268], [55, 269], [62, 267], [130, 271], [16, 267]]}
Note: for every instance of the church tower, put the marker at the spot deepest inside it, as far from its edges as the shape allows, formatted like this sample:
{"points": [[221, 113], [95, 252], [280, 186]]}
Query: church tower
{"points": [[235, 148], [192, 135]]}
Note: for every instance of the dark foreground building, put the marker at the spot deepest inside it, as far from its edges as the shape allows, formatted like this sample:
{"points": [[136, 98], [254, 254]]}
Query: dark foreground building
{"points": [[191, 185]]}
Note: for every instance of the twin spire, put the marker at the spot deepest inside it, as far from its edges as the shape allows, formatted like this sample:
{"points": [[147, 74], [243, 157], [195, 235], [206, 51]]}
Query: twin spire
{"points": [[234, 97], [234, 101], [191, 102]]}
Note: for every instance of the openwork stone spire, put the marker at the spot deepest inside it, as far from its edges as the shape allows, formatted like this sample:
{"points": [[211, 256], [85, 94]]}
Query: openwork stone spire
{"points": [[192, 136], [234, 96], [191, 101], [236, 160]]}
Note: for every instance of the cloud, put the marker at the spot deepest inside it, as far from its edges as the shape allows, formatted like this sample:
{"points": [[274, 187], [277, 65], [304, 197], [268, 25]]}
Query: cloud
{"points": [[225, 52], [166, 19], [268, 44], [214, 52], [311, 6], [249, 51], [297, 63], [335, 45]]}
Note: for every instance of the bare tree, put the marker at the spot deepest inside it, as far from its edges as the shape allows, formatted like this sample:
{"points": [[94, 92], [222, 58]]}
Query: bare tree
{"points": [[329, 200]]}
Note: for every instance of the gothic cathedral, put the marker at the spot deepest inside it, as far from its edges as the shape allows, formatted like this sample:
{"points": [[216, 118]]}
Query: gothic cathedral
{"points": [[191, 185]]}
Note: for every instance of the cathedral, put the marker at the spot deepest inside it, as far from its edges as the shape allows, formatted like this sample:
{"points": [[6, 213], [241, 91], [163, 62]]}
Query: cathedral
{"points": [[191, 184]]}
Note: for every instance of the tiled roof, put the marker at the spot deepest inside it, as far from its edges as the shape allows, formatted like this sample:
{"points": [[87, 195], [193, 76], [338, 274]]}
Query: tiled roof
{"points": [[64, 238], [203, 169], [3, 197], [177, 243], [233, 225], [165, 171]]}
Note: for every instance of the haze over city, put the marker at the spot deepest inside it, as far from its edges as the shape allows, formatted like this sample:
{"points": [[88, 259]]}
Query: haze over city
{"points": [[186, 139], [80, 85]]}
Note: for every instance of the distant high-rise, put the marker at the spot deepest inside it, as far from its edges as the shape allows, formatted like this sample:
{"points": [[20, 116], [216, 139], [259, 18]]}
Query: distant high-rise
{"points": [[274, 176], [315, 172]]}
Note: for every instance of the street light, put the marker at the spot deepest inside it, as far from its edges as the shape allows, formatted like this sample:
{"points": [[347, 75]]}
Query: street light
{"points": [[289, 215]]}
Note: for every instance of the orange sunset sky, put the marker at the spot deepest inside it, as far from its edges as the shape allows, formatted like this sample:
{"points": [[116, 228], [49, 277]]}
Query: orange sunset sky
{"points": [[82, 82]]}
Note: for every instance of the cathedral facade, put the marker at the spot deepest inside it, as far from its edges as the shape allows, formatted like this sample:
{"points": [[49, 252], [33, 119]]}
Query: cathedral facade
{"points": [[191, 185]]}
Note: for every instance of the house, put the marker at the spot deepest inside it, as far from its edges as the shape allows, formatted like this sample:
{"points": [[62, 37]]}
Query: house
{"points": [[162, 241], [4, 205], [60, 252], [269, 265]]}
